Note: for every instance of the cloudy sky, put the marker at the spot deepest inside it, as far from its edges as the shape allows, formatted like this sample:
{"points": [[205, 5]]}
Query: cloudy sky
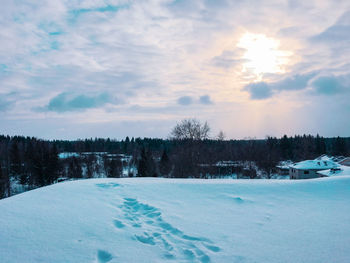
{"points": [[110, 68]]}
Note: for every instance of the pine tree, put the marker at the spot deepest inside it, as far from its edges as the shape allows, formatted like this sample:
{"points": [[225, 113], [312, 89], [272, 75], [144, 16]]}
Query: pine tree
{"points": [[126, 144], [53, 165], [165, 164], [146, 165], [2, 184], [90, 161], [40, 161], [28, 165], [114, 168], [5, 186], [285, 146], [74, 168], [151, 166], [15, 160], [339, 146], [142, 165], [320, 145]]}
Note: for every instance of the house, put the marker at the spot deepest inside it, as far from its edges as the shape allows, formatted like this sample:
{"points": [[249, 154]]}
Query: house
{"points": [[283, 167], [310, 168]]}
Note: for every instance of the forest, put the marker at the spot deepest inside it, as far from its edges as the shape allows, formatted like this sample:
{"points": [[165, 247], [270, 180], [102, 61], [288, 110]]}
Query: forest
{"points": [[29, 163]]}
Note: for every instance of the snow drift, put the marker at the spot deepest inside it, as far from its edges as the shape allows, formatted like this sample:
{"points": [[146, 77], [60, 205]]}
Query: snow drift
{"points": [[166, 220]]}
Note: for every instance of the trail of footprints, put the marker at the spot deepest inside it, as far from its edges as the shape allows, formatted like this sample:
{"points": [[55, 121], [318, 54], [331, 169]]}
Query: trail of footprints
{"points": [[150, 229]]}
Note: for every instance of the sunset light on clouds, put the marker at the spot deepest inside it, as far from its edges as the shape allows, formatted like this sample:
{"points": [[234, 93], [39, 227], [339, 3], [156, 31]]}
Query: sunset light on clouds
{"points": [[111, 68]]}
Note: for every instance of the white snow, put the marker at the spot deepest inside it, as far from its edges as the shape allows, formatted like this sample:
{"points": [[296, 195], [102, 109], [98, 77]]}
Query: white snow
{"points": [[339, 171], [65, 155], [315, 165], [168, 220], [284, 164], [325, 157]]}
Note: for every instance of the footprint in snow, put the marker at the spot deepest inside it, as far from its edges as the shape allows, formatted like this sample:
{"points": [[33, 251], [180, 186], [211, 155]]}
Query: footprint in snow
{"points": [[103, 256], [149, 228], [118, 224]]}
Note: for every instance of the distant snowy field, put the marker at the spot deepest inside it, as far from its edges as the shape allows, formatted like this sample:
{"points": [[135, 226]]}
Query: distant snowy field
{"points": [[173, 220]]}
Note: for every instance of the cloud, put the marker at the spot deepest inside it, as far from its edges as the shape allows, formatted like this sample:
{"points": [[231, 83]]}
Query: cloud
{"points": [[296, 82], [334, 34], [328, 85], [259, 91], [333, 44], [188, 100], [318, 84], [337, 33], [205, 99], [185, 100], [7, 101], [66, 102], [228, 59], [151, 51], [264, 90]]}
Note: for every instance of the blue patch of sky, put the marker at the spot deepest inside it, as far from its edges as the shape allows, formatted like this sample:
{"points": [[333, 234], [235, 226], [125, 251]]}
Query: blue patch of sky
{"points": [[49, 41], [57, 33], [51, 28], [28, 67], [75, 13], [3, 67], [175, 2], [46, 46], [20, 18], [55, 45]]}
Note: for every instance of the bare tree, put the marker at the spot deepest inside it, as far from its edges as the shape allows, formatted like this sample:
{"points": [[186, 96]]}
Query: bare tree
{"points": [[191, 129], [221, 136]]}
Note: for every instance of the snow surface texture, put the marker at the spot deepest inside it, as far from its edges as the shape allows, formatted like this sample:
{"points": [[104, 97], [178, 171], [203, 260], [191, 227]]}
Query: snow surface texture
{"points": [[168, 220]]}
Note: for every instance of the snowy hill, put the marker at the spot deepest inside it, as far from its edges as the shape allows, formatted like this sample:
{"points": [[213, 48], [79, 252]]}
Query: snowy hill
{"points": [[165, 220]]}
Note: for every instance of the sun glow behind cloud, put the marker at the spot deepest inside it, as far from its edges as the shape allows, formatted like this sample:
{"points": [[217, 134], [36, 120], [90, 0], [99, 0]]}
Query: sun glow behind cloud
{"points": [[262, 55]]}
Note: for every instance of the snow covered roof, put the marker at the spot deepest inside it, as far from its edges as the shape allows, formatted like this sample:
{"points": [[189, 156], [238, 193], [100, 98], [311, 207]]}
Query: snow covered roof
{"points": [[339, 171], [336, 159], [315, 165], [324, 157], [284, 164]]}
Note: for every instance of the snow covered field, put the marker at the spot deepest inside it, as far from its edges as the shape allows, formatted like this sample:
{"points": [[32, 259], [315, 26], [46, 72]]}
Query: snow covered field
{"points": [[169, 220]]}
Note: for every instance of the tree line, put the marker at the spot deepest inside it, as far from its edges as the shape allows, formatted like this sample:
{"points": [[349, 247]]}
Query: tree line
{"points": [[30, 162]]}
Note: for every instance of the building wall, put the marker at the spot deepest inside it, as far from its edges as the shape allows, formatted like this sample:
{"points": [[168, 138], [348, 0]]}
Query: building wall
{"points": [[303, 174], [283, 171]]}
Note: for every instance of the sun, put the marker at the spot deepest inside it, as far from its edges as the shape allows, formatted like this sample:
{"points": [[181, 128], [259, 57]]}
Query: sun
{"points": [[262, 55]]}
